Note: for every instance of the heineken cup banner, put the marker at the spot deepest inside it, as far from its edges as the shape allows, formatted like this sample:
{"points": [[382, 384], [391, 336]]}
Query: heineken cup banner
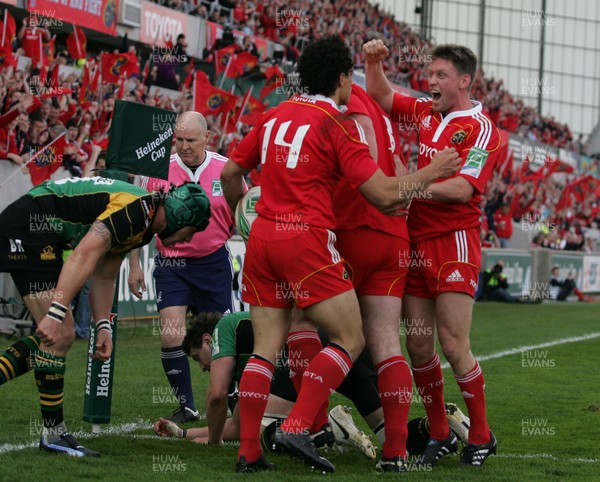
{"points": [[97, 398], [140, 140]]}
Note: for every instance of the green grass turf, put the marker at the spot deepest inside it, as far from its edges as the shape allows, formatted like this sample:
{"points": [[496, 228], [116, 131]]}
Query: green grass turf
{"points": [[544, 409]]}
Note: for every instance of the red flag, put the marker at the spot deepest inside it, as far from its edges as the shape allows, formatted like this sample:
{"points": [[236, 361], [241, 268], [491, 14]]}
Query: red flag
{"points": [[201, 77], [8, 27], [254, 108], [241, 64], [273, 74], [6, 57], [232, 145], [210, 100], [565, 199], [222, 58], [49, 51], [559, 166], [89, 85], [231, 125], [114, 65], [578, 190], [77, 43], [47, 160], [584, 186]]}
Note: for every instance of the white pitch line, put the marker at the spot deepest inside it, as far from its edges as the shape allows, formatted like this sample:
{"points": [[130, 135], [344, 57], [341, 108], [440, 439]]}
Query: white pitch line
{"points": [[121, 429], [546, 456], [514, 351]]}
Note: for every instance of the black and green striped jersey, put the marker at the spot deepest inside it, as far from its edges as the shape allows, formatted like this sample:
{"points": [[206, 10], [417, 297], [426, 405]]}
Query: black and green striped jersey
{"points": [[71, 205]]}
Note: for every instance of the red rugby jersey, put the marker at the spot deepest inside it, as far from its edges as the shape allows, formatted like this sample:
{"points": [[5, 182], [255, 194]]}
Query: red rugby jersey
{"points": [[477, 140], [351, 209], [305, 145]]}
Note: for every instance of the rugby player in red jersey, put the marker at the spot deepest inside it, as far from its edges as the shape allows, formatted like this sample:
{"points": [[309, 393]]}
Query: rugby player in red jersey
{"points": [[305, 145], [444, 230]]}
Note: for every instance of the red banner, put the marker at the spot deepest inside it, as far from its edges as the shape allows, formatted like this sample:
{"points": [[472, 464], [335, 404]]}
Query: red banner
{"points": [[100, 15]]}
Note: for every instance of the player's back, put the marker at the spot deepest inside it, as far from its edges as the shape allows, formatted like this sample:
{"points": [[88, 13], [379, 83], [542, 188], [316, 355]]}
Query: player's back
{"points": [[304, 146], [352, 210], [71, 206]]}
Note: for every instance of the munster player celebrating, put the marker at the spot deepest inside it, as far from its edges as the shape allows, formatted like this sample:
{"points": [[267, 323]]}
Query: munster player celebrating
{"points": [[378, 275], [304, 146], [444, 228]]}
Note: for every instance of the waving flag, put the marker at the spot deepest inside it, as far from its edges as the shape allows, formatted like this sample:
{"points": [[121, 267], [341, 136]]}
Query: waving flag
{"points": [[89, 84], [115, 65], [8, 27], [211, 100], [76, 43], [241, 64], [273, 74], [251, 112], [47, 160], [222, 57]]}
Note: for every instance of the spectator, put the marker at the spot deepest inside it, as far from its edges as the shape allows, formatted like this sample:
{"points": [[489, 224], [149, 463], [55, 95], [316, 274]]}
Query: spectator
{"points": [[8, 144], [503, 224], [249, 46], [164, 72], [561, 289], [30, 34]]}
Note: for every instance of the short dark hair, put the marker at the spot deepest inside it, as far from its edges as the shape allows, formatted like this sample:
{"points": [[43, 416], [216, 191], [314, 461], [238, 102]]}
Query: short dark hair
{"points": [[321, 64], [463, 59], [201, 324]]}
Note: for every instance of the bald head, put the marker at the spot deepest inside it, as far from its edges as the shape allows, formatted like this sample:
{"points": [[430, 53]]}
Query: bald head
{"points": [[192, 117], [191, 137]]}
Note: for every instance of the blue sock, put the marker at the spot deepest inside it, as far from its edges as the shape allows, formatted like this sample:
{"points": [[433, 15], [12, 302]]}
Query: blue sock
{"points": [[177, 369]]}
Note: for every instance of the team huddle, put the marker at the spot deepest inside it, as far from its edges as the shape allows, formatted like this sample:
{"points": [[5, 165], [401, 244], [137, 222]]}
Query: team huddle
{"points": [[328, 270]]}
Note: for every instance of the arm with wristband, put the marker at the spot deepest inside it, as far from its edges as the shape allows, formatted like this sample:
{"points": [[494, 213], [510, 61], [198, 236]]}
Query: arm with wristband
{"points": [[102, 291], [75, 272]]}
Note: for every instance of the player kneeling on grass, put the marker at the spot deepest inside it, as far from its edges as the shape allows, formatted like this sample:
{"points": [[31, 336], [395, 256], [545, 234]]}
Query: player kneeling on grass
{"points": [[222, 345], [102, 219]]}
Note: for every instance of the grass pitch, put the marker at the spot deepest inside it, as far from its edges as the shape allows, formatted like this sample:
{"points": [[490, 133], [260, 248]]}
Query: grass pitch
{"points": [[543, 405]]}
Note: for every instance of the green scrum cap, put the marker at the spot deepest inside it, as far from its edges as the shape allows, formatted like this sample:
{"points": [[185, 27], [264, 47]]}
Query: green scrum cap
{"points": [[186, 205]]}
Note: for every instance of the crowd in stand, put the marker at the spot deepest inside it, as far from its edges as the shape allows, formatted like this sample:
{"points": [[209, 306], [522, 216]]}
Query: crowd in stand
{"points": [[537, 209], [292, 24]]}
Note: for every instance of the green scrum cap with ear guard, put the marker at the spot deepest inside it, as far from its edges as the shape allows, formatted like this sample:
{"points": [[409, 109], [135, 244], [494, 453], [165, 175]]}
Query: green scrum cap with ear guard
{"points": [[186, 205]]}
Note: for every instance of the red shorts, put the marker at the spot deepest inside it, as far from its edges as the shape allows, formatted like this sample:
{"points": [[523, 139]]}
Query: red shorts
{"points": [[283, 269], [374, 261], [448, 263]]}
